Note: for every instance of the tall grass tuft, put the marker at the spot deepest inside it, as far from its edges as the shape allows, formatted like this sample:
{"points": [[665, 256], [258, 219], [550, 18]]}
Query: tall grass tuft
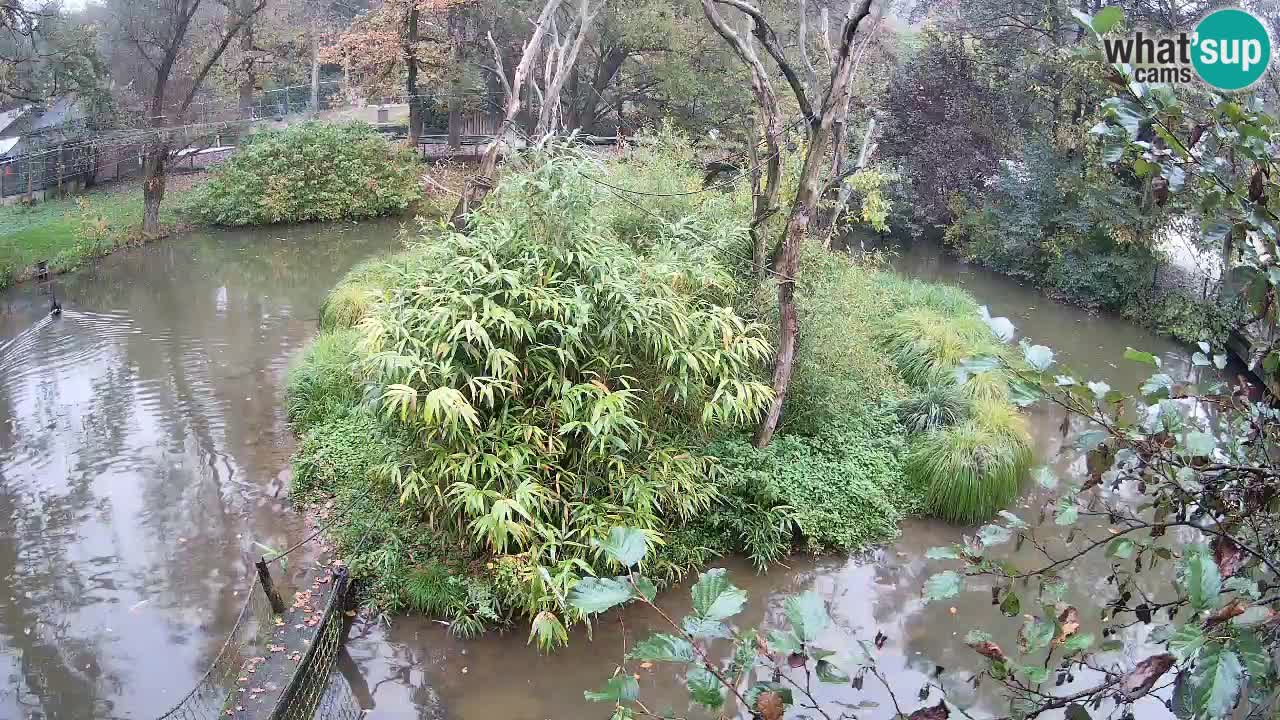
{"points": [[927, 345], [971, 470], [937, 406], [320, 383]]}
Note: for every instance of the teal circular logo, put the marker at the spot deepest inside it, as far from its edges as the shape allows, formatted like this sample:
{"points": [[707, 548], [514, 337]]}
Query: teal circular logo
{"points": [[1231, 49]]}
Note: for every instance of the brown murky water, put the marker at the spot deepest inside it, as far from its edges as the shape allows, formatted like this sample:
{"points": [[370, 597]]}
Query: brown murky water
{"points": [[416, 669], [142, 454]]}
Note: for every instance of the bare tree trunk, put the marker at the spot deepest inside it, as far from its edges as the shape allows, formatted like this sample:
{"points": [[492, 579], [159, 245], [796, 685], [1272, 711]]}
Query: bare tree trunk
{"points": [[248, 83], [819, 125], [561, 57], [315, 69], [478, 187], [411, 84], [154, 161]]}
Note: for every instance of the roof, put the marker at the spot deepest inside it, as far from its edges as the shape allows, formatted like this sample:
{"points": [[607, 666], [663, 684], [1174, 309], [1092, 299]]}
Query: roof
{"points": [[10, 116], [6, 144], [58, 112]]}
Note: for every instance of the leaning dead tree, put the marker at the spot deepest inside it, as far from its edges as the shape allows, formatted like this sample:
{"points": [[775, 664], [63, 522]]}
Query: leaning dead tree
{"points": [[820, 111], [561, 54]]}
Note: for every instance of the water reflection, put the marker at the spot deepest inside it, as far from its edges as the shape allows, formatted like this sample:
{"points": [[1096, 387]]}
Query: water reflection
{"points": [[417, 669], [142, 454]]}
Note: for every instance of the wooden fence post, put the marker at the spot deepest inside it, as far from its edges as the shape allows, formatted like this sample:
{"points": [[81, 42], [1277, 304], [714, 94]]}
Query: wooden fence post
{"points": [[264, 577]]}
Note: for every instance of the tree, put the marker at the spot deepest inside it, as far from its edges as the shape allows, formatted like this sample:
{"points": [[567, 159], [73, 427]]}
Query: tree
{"points": [[45, 53], [561, 55], [950, 129], [830, 105], [165, 35]]}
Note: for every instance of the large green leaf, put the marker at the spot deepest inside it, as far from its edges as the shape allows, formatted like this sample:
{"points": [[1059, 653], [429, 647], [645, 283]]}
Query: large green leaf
{"points": [[1216, 682], [596, 595], [1257, 660], [1186, 641], [704, 688], [990, 535], [1198, 444], [663, 648], [1200, 577], [942, 586], [1035, 634], [703, 628], [829, 673], [715, 598], [625, 545], [1142, 357], [807, 614], [1038, 357], [619, 689]]}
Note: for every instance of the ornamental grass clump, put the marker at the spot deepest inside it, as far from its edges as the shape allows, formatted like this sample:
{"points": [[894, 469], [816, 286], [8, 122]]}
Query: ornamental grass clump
{"points": [[971, 470], [927, 345]]}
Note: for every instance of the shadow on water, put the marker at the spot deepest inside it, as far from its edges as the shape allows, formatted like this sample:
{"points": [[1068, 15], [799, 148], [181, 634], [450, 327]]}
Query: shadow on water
{"points": [[416, 669], [143, 452]]}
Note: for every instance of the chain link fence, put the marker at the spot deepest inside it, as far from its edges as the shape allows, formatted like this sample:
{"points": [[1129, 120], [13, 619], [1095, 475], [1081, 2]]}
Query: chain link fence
{"points": [[217, 692]]}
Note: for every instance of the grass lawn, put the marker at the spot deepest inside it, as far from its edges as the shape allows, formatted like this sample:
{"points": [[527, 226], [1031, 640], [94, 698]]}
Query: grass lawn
{"points": [[69, 231]]}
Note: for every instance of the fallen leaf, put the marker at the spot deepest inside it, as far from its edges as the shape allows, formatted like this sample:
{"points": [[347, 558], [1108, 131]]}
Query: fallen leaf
{"points": [[1068, 624], [1226, 612], [1228, 556]]}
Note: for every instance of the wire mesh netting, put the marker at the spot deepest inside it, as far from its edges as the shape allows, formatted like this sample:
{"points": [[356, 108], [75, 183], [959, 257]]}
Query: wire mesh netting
{"points": [[308, 688], [217, 692], [242, 681]]}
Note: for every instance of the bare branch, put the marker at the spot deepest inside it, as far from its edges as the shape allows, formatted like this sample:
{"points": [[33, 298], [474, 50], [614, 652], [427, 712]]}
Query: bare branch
{"points": [[769, 39]]}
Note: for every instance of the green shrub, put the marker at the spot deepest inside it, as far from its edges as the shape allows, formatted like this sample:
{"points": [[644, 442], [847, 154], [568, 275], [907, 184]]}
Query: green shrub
{"points": [[839, 368], [1188, 319], [339, 452], [842, 489], [321, 382], [312, 171], [971, 470]]}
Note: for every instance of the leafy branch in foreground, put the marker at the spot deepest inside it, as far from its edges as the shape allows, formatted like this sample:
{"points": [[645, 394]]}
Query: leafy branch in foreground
{"points": [[1173, 457]]}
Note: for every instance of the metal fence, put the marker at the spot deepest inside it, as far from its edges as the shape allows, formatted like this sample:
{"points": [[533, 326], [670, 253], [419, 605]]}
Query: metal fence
{"points": [[253, 667]]}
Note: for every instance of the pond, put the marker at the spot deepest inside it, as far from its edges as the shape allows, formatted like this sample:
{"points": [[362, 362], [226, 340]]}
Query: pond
{"points": [[144, 466], [416, 668], [143, 453]]}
